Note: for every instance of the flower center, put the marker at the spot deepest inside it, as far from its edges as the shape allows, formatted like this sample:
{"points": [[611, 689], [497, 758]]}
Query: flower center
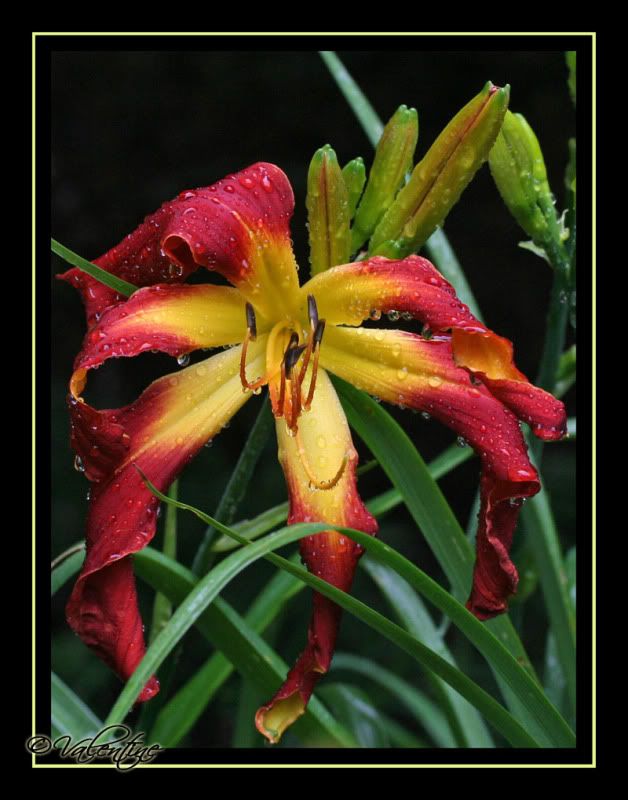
{"points": [[291, 363]]}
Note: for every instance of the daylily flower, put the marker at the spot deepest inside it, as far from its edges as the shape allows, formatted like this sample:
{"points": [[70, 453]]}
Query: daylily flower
{"points": [[288, 338]]}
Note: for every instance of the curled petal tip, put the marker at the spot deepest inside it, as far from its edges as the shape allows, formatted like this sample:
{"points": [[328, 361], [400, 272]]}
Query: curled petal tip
{"points": [[274, 719]]}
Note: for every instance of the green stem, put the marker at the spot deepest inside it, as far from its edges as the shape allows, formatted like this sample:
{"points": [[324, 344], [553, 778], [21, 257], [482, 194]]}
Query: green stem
{"points": [[554, 343], [237, 485]]}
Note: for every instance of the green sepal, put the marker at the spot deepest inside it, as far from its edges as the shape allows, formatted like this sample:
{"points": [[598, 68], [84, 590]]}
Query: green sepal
{"points": [[328, 212], [445, 171]]}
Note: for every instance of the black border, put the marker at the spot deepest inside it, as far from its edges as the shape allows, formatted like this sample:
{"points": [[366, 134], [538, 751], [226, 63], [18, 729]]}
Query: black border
{"points": [[44, 46]]}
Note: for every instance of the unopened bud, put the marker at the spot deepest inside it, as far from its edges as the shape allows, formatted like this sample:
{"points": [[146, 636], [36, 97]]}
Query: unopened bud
{"points": [[440, 178], [518, 168], [328, 212], [393, 161], [354, 174]]}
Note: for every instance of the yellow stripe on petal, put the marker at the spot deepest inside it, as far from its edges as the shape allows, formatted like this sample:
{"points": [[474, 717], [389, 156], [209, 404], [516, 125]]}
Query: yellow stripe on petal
{"points": [[193, 405], [392, 365], [170, 318]]}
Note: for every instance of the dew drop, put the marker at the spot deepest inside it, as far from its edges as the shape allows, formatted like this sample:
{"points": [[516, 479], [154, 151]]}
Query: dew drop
{"points": [[434, 381], [393, 315], [78, 464], [375, 314], [183, 360]]}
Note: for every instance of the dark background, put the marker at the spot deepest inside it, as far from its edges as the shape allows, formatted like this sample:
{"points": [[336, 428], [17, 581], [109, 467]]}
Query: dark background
{"points": [[132, 129]]}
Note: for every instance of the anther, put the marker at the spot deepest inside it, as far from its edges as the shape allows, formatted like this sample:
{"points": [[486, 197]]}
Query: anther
{"points": [[251, 323], [312, 311], [251, 336], [293, 354]]}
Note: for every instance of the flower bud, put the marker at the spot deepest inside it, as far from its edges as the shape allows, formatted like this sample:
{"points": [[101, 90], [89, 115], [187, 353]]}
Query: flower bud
{"points": [[354, 174], [518, 168], [328, 212], [393, 160], [440, 178]]}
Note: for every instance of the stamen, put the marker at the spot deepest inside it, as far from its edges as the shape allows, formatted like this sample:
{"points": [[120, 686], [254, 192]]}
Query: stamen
{"points": [[251, 336], [315, 483], [316, 344], [293, 353], [312, 310]]}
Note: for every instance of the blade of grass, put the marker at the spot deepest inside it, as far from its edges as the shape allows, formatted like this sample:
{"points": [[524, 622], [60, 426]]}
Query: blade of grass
{"points": [[70, 715], [183, 710], [230, 634], [540, 526], [63, 570], [101, 275], [553, 726], [411, 612], [493, 711], [424, 710], [407, 471]]}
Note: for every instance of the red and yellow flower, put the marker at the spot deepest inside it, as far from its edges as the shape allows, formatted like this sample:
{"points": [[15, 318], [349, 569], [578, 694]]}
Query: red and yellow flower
{"points": [[288, 338]]}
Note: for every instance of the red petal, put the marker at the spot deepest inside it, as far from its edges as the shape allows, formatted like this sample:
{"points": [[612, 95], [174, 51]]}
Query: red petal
{"points": [[348, 294], [329, 555], [159, 433], [238, 226], [171, 319], [422, 374]]}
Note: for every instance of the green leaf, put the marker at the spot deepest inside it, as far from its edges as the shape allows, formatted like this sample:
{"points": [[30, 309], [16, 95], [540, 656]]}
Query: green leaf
{"points": [[70, 715], [356, 711], [541, 529], [408, 472], [411, 612], [63, 570], [186, 706], [566, 373], [196, 602], [371, 123], [212, 583], [101, 275], [424, 710], [237, 641]]}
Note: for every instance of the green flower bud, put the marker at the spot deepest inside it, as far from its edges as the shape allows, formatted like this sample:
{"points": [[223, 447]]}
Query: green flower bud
{"points": [[393, 161], [517, 165], [328, 212], [440, 178], [354, 174]]}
